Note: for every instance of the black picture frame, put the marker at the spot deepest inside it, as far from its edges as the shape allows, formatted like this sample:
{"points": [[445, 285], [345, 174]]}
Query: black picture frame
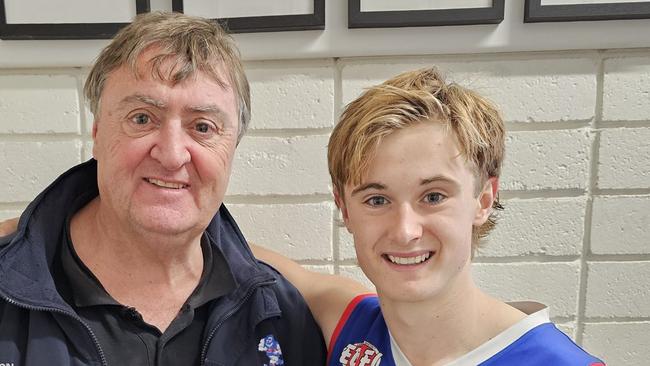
{"points": [[28, 31], [535, 12], [423, 18], [271, 23]]}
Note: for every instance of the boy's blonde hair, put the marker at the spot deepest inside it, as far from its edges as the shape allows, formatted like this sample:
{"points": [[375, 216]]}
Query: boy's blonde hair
{"points": [[411, 98], [191, 43]]}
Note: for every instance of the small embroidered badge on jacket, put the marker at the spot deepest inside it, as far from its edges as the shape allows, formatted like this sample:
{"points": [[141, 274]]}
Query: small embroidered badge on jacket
{"points": [[271, 347]]}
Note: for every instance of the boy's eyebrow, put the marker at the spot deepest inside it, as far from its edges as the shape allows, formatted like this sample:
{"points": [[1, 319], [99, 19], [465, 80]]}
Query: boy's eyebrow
{"points": [[438, 178], [372, 185], [423, 182]]}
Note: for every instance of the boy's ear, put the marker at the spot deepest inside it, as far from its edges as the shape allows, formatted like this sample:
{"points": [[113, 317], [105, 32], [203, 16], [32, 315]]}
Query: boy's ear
{"points": [[485, 199], [340, 203]]}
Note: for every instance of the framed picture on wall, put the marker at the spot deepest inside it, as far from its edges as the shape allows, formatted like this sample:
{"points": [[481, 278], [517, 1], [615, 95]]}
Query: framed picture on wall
{"points": [[579, 10], [246, 16], [420, 13], [66, 19]]}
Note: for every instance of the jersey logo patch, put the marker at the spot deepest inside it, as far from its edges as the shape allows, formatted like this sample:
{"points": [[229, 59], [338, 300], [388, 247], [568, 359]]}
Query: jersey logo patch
{"points": [[271, 347], [360, 354]]}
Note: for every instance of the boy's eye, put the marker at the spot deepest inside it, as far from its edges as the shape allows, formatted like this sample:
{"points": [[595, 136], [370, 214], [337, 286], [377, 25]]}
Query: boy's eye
{"points": [[434, 197], [140, 119], [376, 201]]}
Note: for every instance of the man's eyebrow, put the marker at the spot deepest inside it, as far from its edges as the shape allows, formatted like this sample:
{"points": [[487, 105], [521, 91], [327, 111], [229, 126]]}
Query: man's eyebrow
{"points": [[144, 99], [366, 186], [208, 108]]}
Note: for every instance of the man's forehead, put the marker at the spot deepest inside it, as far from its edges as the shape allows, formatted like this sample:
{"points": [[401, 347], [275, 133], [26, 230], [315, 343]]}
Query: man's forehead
{"points": [[157, 63]]}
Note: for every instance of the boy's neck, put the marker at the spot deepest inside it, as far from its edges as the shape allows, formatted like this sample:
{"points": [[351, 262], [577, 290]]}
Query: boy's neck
{"points": [[444, 328]]}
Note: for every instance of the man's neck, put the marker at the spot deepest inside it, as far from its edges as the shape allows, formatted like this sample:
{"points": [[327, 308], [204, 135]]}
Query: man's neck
{"points": [[455, 322], [136, 268]]}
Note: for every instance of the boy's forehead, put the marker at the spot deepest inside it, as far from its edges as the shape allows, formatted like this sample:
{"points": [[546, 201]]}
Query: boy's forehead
{"points": [[419, 151]]}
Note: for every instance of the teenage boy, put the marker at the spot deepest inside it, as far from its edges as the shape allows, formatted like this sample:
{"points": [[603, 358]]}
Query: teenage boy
{"points": [[415, 165]]}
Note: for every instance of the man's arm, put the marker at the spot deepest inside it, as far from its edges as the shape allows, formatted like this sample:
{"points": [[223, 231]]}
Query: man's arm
{"points": [[327, 295], [8, 226]]}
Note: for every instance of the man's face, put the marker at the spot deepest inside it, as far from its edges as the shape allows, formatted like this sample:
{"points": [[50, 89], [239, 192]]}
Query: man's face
{"points": [[412, 215], [164, 151]]}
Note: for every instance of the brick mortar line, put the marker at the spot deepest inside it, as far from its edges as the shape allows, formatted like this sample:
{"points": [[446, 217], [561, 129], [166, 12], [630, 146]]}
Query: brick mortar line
{"points": [[617, 320], [41, 137], [13, 206], [588, 219], [289, 132], [278, 199], [610, 125], [543, 193], [337, 69], [521, 126], [621, 192], [601, 258], [528, 259]]}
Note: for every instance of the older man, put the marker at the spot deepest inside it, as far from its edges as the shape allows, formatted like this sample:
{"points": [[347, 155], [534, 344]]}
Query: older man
{"points": [[131, 259]]}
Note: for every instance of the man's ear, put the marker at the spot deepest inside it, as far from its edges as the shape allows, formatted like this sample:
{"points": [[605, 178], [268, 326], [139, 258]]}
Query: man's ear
{"points": [[340, 203], [485, 199], [94, 135]]}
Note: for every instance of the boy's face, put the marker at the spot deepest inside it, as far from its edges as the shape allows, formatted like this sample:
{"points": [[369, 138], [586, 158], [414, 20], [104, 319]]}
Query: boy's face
{"points": [[412, 215]]}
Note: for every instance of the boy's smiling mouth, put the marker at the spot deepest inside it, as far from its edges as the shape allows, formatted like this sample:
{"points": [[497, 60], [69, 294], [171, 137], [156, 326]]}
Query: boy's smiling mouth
{"points": [[408, 260]]}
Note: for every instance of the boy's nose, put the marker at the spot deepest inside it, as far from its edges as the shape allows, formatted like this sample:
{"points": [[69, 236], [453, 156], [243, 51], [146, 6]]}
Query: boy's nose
{"points": [[407, 227]]}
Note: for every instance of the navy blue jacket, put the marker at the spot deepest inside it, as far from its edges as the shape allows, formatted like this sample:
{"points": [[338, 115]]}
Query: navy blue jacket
{"points": [[37, 327]]}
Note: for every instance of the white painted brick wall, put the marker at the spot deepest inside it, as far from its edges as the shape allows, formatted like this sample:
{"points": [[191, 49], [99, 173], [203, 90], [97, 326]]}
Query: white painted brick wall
{"points": [[355, 272], [620, 225], [526, 90], [275, 165], [624, 158], [619, 343], [618, 289], [626, 94], [554, 284], [29, 167], [557, 159], [301, 231], [538, 227], [576, 175], [291, 95], [39, 104]]}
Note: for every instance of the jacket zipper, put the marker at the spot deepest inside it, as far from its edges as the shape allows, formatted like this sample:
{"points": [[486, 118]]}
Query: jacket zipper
{"points": [[230, 313], [98, 348]]}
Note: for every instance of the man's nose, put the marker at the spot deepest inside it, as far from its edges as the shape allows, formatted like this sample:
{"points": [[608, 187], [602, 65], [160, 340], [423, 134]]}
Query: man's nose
{"points": [[407, 226], [170, 148]]}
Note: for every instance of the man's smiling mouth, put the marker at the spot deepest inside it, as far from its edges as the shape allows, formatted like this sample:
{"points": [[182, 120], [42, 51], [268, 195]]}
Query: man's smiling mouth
{"points": [[163, 184]]}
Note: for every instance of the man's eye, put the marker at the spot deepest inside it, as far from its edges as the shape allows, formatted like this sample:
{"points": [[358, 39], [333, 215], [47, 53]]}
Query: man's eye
{"points": [[434, 197], [376, 201], [202, 127], [141, 119]]}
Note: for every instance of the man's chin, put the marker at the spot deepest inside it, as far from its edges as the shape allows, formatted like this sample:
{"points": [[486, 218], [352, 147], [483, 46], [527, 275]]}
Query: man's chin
{"points": [[165, 223]]}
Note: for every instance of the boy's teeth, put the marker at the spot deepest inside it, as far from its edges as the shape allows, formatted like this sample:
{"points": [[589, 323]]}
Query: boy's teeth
{"points": [[409, 260], [164, 184]]}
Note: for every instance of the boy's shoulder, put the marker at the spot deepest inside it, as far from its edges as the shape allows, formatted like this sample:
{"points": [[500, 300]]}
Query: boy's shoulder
{"points": [[543, 345]]}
